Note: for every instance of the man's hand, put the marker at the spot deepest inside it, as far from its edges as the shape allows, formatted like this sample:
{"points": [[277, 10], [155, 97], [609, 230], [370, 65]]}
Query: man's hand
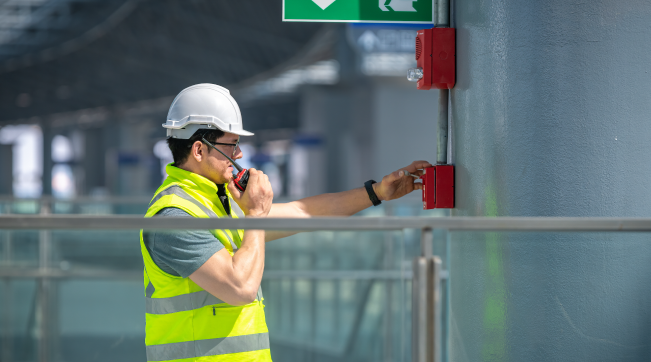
{"points": [[397, 184], [256, 200], [235, 279]]}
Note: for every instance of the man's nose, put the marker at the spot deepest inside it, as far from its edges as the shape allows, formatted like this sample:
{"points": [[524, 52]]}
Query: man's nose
{"points": [[238, 153]]}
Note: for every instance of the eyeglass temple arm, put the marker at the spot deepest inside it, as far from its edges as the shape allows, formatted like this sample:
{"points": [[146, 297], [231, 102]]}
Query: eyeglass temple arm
{"points": [[238, 167]]}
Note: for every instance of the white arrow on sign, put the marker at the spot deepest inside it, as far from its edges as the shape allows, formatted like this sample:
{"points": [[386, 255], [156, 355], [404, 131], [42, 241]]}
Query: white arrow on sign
{"points": [[323, 4], [397, 5]]}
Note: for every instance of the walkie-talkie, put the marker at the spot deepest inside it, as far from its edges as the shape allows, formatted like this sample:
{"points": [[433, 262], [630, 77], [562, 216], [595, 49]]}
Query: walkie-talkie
{"points": [[242, 177]]}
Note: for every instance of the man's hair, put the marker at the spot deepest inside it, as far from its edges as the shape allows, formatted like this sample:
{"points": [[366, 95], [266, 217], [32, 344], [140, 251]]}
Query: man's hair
{"points": [[181, 148]]}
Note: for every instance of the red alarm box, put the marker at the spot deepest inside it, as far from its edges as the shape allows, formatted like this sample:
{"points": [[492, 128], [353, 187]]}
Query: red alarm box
{"points": [[438, 187], [435, 58]]}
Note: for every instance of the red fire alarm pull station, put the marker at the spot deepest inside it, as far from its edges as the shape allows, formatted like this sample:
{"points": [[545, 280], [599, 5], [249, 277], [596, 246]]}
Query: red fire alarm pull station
{"points": [[438, 187], [435, 59]]}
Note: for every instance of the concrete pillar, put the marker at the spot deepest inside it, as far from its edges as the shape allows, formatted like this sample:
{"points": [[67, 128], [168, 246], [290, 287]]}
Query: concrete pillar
{"points": [[94, 160], [404, 128], [551, 118], [6, 165], [48, 135]]}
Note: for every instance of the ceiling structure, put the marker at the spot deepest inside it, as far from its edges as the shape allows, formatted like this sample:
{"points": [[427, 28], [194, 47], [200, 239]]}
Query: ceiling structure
{"points": [[64, 56]]}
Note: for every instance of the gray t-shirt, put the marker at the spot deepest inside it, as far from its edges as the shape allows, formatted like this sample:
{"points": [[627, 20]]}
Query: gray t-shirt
{"points": [[180, 252]]}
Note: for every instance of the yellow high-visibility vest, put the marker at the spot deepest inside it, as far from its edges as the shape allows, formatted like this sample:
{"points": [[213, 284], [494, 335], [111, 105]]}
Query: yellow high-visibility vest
{"points": [[184, 321]]}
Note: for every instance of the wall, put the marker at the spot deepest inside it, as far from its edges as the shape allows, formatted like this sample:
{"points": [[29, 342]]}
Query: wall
{"points": [[551, 118], [368, 131], [404, 125]]}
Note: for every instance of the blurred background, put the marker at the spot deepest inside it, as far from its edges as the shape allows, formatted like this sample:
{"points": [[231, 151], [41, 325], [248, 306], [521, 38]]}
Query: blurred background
{"points": [[85, 86], [549, 117]]}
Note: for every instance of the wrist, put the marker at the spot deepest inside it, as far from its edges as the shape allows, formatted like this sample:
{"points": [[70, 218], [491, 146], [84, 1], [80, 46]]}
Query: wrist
{"points": [[370, 190], [376, 189], [257, 212]]}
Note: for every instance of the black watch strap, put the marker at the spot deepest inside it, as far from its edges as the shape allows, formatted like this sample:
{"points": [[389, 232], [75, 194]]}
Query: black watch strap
{"points": [[371, 194]]}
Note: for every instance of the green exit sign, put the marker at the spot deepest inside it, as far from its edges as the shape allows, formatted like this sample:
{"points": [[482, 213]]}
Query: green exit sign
{"points": [[358, 11]]}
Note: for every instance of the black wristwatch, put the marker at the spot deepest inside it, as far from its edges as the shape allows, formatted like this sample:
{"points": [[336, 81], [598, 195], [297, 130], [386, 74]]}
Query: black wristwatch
{"points": [[371, 193]]}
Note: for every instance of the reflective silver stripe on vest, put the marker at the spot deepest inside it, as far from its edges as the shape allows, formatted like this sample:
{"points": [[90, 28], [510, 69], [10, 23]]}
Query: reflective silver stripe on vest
{"points": [[178, 191], [236, 209], [208, 347], [180, 303]]}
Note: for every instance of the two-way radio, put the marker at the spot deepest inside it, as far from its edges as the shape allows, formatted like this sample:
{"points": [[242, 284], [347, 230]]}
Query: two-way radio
{"points": [[242, 177]]}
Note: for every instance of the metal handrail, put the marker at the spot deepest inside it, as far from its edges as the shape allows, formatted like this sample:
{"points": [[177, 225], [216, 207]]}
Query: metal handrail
{"points": [[123, 222], [426, 313], [80, 200], [12, 272]]}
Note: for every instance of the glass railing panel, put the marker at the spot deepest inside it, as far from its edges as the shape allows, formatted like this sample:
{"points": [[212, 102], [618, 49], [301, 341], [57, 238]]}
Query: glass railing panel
{"points": [[100, 320], [338, 296], [328, 295], [82, 205], [117, 251], [17, 319], [24, 207], [19, 248]]}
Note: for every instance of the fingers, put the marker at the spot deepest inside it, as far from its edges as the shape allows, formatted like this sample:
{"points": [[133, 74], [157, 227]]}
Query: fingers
{"points": [[415, 175], [235, 193], [415, 169], [258, 177], [393, 176], [253, 173], [417, 165], [256, 200], [418, 186]]}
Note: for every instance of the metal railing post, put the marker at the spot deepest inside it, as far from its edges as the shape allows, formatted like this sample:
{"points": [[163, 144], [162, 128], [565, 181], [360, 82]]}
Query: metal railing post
{"points": [[42, 315], [426, 310], [7, 343], [436, 341], [419, 350], [426, 303], [427, 242], [388, 294]]}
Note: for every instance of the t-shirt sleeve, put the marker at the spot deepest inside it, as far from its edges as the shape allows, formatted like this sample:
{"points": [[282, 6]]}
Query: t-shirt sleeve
{"points": [[180, 252]]}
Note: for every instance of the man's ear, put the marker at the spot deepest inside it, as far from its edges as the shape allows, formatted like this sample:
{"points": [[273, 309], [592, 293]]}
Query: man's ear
{"points": [[197, 152]]}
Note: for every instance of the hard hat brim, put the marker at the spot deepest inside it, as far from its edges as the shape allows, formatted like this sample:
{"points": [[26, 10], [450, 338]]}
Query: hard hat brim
{"points": [[185, 128]]}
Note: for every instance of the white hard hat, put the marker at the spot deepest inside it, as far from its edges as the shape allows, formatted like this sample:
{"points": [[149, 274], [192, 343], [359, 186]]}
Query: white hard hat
{"points": [[204, 106]]}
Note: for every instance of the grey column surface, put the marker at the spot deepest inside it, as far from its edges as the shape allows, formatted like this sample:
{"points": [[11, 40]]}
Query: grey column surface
{"points": [[94, 159], [551, 118], [6, 165], [404, 126], [48, 135]]}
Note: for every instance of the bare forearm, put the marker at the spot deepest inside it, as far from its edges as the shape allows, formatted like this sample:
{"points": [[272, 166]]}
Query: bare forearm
{"points": [[248, 261], [236, 279], [393, 186], [336, 204]]}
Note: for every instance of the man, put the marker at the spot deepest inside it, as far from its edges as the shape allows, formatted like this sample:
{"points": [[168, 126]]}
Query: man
{"points": [[202, 288]]}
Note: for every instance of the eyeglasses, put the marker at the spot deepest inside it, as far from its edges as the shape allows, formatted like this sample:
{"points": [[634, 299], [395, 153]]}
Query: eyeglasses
{"points": [[234, 145]]}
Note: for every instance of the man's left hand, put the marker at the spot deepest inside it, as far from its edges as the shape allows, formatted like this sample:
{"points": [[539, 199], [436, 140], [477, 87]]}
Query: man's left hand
{"points": [[398, 184]]}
